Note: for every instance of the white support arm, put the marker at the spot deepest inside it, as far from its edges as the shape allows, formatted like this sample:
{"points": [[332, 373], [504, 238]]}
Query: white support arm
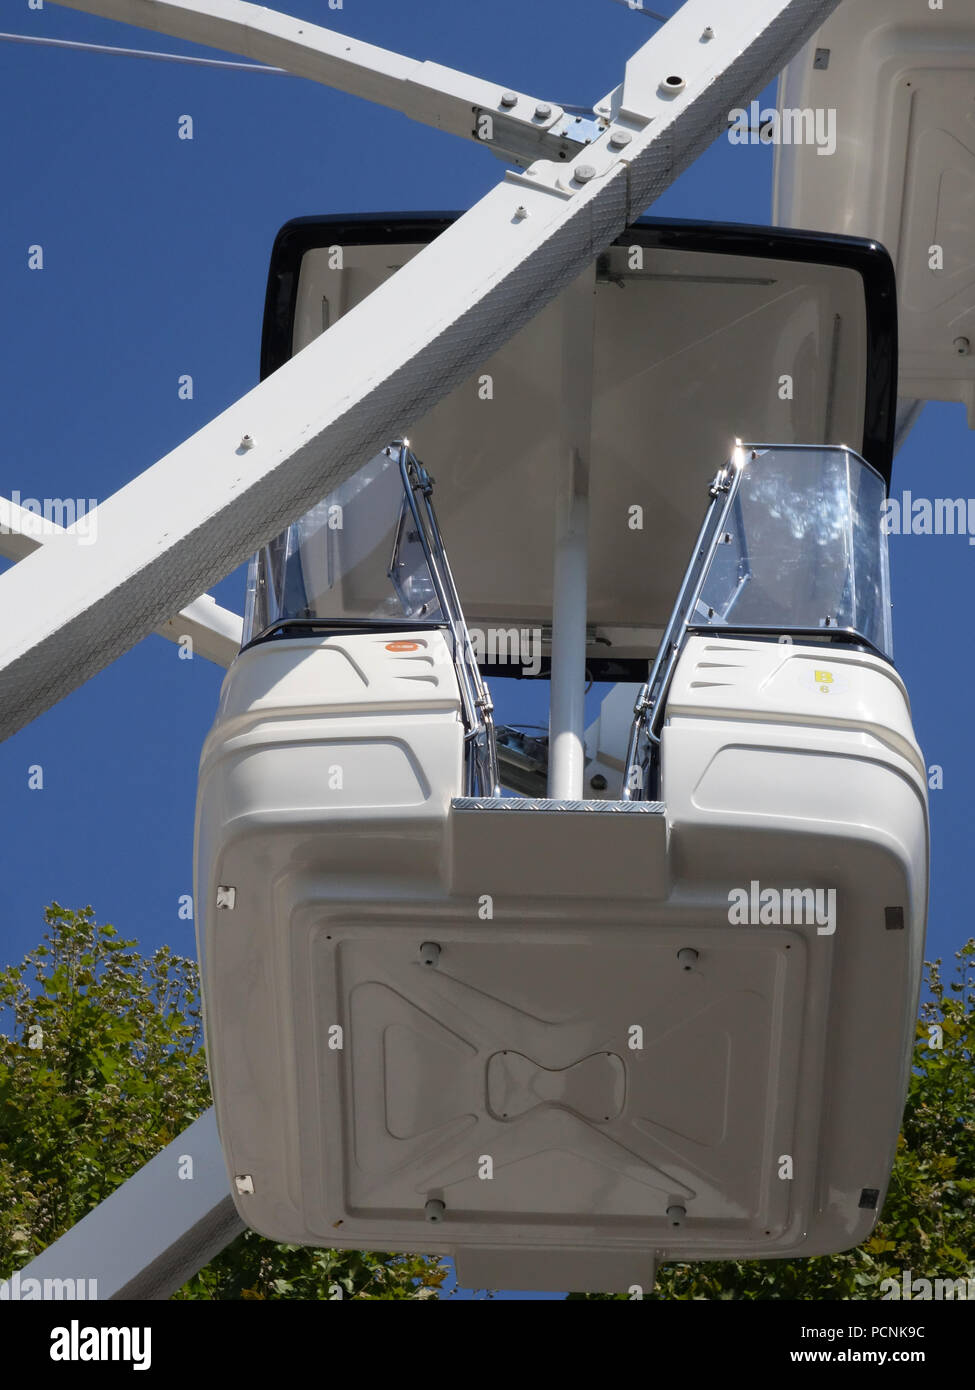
{"points": [[190, 519], [152, 1234], [522, 127], [216, 632]]}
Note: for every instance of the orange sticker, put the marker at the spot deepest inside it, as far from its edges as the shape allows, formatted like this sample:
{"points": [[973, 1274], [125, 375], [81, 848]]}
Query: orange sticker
{"points": [[402, 646]]}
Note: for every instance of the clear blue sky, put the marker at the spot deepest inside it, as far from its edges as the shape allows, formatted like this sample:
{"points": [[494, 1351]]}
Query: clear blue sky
{"points": [[156, 255]]}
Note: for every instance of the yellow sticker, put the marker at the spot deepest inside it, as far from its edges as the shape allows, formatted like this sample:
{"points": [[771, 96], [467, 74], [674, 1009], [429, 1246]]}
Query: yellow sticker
{"points": [[824, 677]]}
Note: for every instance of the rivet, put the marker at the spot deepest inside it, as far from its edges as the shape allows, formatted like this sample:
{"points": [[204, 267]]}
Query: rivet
{"points": [[509, 99]]}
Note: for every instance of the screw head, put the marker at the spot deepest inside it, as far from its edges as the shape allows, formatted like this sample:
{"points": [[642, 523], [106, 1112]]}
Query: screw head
{"points": [[509, 99], [584, 172]]}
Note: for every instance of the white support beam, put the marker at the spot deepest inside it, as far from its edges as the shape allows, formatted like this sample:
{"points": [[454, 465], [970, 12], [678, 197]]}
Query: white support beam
{"points": [[426, 92], [153, 1233], [186, 522], [216, 632]]}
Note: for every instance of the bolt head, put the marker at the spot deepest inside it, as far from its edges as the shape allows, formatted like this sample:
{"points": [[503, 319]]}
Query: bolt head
{"points": [[509, 99], [543, 111], [584, 172], [247, 441], [620, 139]]}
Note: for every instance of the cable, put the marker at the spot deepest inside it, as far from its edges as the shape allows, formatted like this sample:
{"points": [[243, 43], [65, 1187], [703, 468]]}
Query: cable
{"points": [[146, 53]]}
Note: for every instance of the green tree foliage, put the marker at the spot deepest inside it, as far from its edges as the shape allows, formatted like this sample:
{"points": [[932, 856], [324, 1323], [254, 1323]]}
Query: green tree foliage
{"points": [[101, 1065], [928, 1221]]}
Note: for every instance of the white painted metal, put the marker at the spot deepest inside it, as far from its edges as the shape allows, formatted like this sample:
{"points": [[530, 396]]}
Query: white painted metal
{"points": [[897, 78], [426, 92], [192, 517], [567, 753], [154, 1232], [570, 579], [215, 631]]}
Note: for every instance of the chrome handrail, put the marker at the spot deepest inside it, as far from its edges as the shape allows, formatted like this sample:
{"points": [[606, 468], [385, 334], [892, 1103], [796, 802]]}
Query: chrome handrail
{"points": [[481, 770]]}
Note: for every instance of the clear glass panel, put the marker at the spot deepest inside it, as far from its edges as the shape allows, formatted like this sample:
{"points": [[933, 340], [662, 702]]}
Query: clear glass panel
{"points": [[804, 547], [355, 557]]}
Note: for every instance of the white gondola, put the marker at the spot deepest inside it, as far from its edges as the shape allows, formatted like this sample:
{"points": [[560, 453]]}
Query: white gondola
{"points": [[663, 1008]]}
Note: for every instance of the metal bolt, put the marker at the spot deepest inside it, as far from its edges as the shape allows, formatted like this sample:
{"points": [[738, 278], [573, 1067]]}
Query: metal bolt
{"points": [[434, 1210], [226, 897], [521, 212], [687, 957], [585, 172], [429, 953], [509, 99], [620, 139], [963, 346], [598, 783], [247, 441], [543, 111], [708, 34], [676, 1214], [244, 1184]]}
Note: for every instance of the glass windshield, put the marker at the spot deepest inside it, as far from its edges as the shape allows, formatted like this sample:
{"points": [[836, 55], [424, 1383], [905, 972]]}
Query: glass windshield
{"points": [[804, 547], [355, 557]]}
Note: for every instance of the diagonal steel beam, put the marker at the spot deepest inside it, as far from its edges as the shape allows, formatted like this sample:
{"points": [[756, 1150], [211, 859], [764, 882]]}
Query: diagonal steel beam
{"points": [[216, 632], [191, 518], [426, 92], [152, 1234]]}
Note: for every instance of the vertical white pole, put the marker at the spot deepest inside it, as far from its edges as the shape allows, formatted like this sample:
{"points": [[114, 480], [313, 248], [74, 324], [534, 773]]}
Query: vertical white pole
{"points": [[567, 751], [567, 755]]}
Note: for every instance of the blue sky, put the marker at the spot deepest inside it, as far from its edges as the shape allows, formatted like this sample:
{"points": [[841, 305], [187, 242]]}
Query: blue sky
{"points": [[156, 255]]}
